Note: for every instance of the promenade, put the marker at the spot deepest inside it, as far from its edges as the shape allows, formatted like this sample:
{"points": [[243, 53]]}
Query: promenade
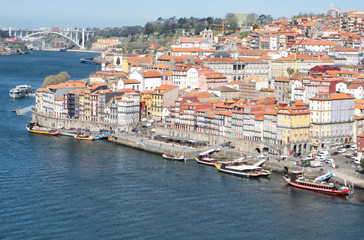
{"points": [[344, 171]]}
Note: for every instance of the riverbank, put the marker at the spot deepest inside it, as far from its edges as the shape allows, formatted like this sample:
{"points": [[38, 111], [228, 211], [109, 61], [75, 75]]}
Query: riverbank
{"points": [[68, 50], [146, 143]]}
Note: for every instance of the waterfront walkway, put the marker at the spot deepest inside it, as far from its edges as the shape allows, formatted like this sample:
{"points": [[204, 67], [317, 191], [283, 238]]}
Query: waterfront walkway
{"points": [[344, 171]]}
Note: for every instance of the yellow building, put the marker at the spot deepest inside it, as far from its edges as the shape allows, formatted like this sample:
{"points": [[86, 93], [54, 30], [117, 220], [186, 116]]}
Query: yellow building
{"points": [[146, 100], [87, 105], [293, 131], [163, 97]]}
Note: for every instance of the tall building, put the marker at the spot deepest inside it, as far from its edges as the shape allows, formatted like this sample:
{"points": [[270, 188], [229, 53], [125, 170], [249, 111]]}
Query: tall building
{"points": [[332, 118]]}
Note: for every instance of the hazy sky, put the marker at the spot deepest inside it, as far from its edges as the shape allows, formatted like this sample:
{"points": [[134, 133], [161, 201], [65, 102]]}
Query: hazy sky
{"points": [[114, 13]]}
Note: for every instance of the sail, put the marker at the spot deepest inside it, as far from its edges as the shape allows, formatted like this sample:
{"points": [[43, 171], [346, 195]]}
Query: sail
{"points": [[324, 177]]}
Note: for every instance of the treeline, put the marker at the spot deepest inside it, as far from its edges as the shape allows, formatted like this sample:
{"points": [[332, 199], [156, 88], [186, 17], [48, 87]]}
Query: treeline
{"points": [[55, 79], [169, 26], [303, 15], [118, 31]]}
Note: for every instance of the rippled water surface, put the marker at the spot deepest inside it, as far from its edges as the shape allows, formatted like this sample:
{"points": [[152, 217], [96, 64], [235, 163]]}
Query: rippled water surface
{"points": [[60, 188]]}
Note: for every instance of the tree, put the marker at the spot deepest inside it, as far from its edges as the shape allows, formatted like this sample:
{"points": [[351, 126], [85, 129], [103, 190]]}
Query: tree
{"points": [[55, 79], [251, 19], [232, 21], [244, 34], [362, 163], [290, 71]]}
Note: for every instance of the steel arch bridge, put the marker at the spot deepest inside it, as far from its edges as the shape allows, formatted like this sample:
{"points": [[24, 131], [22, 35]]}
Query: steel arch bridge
{"points": [[59, 34]]}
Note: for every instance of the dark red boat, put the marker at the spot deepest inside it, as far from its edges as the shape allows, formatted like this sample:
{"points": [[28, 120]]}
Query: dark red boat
{"points": [[320, 184]]}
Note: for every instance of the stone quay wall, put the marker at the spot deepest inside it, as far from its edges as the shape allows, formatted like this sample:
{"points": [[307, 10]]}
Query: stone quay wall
{"points": [[56, 122], [213, 140]]}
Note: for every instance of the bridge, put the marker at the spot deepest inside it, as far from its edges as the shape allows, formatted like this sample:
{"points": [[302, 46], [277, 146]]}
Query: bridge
{"points": [[78, 36]]}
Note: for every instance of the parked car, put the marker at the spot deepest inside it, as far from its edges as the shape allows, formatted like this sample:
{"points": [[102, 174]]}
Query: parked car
{"points": [[297, 154], [334, 153], [347, 146], [260, 156], [353, 148], [341, 150], [356, 160], [249, 156]]}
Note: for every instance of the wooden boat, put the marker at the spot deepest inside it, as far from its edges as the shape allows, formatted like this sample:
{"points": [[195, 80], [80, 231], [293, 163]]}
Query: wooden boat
{"points": [[240, 168], [203, 157], [320, 184], [84, 137], [173, 156], [33, 128]]}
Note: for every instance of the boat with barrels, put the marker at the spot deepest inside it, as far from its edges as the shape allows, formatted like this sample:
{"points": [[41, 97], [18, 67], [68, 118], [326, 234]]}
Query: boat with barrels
{"points": [[32, 127], [204, 157], [320, 184], [241, 168]]}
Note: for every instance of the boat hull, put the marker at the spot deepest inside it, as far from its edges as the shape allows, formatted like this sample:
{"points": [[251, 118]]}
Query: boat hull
{"points": [[317, 189], [212, 164], [181, 158], [240, 174], [44, 132], [85, 138]]}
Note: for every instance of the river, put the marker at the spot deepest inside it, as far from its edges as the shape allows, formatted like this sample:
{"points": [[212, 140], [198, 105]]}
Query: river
{"points": [[61, 188]]}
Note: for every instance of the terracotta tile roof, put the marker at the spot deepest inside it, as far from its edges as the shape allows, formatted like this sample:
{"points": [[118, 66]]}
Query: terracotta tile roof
{"points": [[309, 24], [316, 42], [151, 74], [42, 90], [250, 59], [233, 82], [218, 60], [190, 39], [131, 81], [214, 75], [68, 85], [195, 50], [200, 95], [267, 90], [59, 99], [334, 96], [282, 79], [161, 66], [359, 106], [166, 87]]}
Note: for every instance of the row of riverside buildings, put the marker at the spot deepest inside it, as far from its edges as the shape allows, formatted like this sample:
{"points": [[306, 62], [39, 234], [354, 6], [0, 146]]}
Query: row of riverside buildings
{"points": [[292, 86]]}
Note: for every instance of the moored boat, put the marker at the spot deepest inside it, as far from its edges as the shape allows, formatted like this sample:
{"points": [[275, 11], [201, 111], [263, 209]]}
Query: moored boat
{"points": [[320, 184], [21, 91], [244, 170], [84, 137], [173, 156], [33, 128], [204, 157]]}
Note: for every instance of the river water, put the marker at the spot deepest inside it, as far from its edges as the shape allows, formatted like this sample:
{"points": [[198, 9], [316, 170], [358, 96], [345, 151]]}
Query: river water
{"points": [[60, 188]]}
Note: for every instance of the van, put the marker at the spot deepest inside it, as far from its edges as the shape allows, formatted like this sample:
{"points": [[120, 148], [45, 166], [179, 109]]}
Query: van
{"points": [[324, 153], [315, 164]]}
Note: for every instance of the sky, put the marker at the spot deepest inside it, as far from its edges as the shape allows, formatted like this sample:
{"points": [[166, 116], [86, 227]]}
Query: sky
{"points": [[26, 14]]}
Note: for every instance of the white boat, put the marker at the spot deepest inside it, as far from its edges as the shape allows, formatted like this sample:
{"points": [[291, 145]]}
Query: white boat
{"points": [[21, 91], [174, 156], [203, 157], [244, 170]]}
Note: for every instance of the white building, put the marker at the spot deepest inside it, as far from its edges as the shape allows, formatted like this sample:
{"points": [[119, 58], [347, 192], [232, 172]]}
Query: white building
{"points": [[149, 80], [332, 118]]}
